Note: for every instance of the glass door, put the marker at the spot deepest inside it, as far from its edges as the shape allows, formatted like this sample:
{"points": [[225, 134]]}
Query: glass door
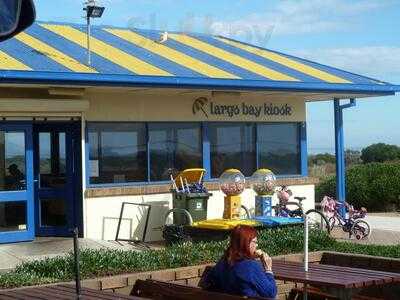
{"points": [[16, 183], [55, 174]]}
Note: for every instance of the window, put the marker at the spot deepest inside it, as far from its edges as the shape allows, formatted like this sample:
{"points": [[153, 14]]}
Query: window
{"points": [[174, 147], [12, 161], [233, 145], [142, 152], [117, 152], [279, 148]]}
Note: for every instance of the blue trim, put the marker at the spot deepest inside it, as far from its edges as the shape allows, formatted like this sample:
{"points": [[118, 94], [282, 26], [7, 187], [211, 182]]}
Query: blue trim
{"points": [[206, 151], [206, 147], [14, 195], [257, 147], [87, 153], [88, 79], [303, 149], [148, 152], [340, 151], [29, 234], [70, 192]]}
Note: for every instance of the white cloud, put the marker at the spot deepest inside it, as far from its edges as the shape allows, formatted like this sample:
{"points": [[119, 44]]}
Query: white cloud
{"points": [[292, 17], [378, 62]]}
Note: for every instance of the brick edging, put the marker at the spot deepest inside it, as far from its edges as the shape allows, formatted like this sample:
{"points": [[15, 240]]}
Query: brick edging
{"points": [[150, 189]]}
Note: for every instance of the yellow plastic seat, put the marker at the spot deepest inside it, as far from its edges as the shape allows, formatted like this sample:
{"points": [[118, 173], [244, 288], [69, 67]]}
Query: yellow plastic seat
{"points": [[224, 224]]}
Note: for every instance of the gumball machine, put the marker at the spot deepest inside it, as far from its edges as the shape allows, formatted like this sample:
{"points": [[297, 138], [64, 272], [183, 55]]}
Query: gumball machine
{"points": [[232, 183], [263, 183]]}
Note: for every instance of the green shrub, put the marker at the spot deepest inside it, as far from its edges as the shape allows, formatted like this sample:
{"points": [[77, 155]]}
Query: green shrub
{"points": [[375, 186], [95, 263], [380, 153], [104, 262]]}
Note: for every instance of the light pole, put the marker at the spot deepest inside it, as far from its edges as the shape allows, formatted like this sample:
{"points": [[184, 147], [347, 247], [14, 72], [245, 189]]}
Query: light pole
{"points": [[92, 11]]}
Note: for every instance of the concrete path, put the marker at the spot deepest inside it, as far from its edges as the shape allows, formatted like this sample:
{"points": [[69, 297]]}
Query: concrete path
{"points": [[385, 230], [12, 255], [388, 222]]}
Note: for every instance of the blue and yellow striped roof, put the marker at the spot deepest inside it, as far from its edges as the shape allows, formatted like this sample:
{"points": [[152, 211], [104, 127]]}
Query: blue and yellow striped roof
{"points": [[48, 52]]}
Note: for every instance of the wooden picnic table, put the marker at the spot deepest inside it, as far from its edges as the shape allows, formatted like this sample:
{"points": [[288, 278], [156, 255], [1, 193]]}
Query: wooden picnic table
{"points": [[342, 282], [58, 292]]}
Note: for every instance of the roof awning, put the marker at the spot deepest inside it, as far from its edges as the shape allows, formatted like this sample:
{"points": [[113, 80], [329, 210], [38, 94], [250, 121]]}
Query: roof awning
{"points": [[50, 53]]}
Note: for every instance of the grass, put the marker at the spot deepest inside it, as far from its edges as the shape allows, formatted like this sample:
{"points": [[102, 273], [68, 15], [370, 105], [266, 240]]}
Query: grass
{"points": [[97, 263]]}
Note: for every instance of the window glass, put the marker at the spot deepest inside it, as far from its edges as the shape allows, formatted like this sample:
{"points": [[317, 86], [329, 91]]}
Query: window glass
{"points": [[232, 146], [174, 147], [12, 161], [279, 148], [13, 216], [117, 152], [52, 159]]}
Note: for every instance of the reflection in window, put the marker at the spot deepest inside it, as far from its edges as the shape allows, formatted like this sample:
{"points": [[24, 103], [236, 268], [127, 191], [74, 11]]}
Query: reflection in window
{"points": [[12, 161], [52, 212], [232, 146], [174, 147], [52, 159], [117, 152], [13, 216], [279, 148]]}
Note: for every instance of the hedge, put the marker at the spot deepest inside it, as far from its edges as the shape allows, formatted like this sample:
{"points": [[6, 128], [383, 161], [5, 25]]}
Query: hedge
{"points": [[104, 262], [375, 186]]}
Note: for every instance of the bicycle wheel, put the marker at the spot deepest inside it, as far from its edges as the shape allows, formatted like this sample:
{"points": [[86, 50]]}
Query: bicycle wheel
{"points": [[333, 222], [318, 221], [361, 229], [244, 212]]}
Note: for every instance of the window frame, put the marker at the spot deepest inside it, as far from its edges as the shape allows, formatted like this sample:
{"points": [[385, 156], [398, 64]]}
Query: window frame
{"points": [[87, 155], [299, 126], [206, 151]]}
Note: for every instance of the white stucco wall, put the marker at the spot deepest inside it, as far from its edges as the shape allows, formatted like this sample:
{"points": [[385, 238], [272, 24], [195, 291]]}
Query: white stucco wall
{"points": [[102, 213]]}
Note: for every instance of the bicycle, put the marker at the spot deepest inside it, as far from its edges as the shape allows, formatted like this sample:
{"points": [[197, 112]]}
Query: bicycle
{"points": [[352, 222], [316, 219]]}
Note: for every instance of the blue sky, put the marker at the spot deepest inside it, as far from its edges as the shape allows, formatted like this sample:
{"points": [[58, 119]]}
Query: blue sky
{"points": [[361, 36]]}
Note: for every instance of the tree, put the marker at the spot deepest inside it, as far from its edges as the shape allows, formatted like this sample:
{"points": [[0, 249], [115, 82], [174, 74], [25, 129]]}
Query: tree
{"points": [[352, 157], [321, 159], [380, 152]]}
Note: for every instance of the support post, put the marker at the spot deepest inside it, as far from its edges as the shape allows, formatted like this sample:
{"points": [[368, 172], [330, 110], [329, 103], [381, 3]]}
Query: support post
{"points": [[89, 54], [76, 264], [340, 152]]}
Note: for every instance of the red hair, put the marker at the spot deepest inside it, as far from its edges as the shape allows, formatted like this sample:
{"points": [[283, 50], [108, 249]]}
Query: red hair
{"points": [[239, 247]]}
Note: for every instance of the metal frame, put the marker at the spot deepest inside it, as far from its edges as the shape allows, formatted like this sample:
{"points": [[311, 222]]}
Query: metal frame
{"points": [[21, 196], [204, 128], [114, 80], [145, 225], [339, 150], [73, 197]]}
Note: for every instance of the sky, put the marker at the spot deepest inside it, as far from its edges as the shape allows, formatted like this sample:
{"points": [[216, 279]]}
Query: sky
{"points": [[361, 36]]}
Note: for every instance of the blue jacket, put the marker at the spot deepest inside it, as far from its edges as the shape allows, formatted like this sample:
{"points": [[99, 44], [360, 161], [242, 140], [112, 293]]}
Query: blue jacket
{"points": [[245, 278]]}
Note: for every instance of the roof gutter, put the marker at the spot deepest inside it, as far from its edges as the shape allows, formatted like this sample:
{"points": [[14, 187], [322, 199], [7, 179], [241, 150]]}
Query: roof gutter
{"points": [[115, 80]]}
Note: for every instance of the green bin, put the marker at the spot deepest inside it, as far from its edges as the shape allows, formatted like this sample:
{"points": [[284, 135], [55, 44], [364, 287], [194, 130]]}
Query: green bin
{"points": [[194, 203]]}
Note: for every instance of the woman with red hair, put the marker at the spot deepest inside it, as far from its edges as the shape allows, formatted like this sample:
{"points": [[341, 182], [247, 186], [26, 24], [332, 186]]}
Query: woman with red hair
{"points": [[239, 272]]}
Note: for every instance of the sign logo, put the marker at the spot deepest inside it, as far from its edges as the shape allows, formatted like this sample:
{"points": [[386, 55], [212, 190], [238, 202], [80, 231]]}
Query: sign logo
{"points": [[256, 111], [199, 104]]}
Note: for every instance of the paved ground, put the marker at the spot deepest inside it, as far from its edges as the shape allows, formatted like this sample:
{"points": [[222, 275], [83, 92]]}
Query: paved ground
{"points": [[385, 230], [13, 254]]}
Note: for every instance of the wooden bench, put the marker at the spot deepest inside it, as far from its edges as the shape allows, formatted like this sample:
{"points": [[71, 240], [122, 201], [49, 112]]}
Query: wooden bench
{"points": [[315, 293], [160, 290]]}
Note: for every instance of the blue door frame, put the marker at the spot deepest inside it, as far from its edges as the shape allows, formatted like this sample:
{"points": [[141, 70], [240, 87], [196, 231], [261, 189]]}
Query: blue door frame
{"points": [[70, 191], [22, 196]]}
